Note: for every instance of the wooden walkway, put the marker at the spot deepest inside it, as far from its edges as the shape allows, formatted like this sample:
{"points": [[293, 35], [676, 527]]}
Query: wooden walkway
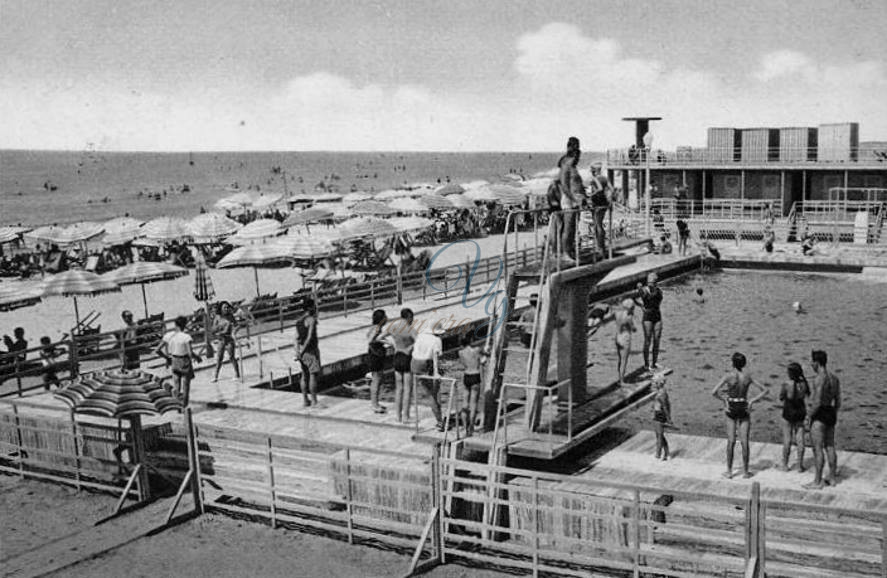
{"points": [[698, 462]]}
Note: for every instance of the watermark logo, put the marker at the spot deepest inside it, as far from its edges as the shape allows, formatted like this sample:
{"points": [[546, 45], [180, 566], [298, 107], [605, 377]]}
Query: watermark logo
{"points": [[492, 299]]}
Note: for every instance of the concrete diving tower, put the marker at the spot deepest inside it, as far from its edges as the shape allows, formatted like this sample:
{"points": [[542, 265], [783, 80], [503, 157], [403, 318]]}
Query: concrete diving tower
{"points": [[539, 401]]}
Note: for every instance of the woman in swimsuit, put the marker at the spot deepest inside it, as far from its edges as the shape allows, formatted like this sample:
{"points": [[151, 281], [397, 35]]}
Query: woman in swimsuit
{"points": [[649, 297], [793, 396], [661, 417], [737, 406], [624, 329]]}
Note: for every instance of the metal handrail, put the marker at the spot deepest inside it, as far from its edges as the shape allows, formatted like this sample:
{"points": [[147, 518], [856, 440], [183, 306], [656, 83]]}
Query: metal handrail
{"points": [[719, 156]]}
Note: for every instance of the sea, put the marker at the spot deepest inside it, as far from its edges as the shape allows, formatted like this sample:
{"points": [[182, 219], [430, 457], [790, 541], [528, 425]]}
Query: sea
{"points": [[62, 187]]}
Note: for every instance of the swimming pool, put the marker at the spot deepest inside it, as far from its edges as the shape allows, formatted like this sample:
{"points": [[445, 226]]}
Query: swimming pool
{"points": [[751, 312]]}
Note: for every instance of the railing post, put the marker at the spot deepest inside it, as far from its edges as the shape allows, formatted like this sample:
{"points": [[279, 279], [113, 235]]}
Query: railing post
{"points": [[193, 461], [345, 299], [271, 487], [373, 294], [437, 533], [73, 357], [18, 377], [752, 522], [280, 313], [19, 441], [535, 521], [76, 449], [636, 510], [348, 496]]}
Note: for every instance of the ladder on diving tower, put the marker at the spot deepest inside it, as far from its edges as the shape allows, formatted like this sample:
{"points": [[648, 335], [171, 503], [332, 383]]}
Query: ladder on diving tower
{"points": [[533, 358]]}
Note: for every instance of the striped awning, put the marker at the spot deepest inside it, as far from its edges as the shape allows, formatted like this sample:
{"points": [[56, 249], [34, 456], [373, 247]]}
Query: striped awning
{"points": [[118, 394]]}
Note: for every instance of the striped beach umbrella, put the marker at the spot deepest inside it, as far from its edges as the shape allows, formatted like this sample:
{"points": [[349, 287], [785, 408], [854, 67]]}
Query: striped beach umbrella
{"points": [[408, 205], [356, 197], [461, 202], [8, 234], [256, 231], [367, 227], [77, 283], [449, 189], [122, 394], [17, 295], [122, 224], [306, 246], [211, 227], [256, 256], [144, 272], [76, 233], [307, 216], [372, 209], [410, 224], [166, 229], [436, 202], [204, 293], [266, 200]]}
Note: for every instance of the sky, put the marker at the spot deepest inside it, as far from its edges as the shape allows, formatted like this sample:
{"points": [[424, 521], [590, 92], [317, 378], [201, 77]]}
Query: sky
{"points": [[423, 75]]}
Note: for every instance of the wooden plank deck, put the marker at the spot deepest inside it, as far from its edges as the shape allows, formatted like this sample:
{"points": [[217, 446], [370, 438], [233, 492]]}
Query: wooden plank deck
{"points": [[698, 462]]}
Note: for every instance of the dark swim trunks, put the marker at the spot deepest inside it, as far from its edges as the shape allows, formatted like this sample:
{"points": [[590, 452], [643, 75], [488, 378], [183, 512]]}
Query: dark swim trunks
{"points": [[828, 415], [737, 409], [402, 362], [660, 416], [471, 379]]}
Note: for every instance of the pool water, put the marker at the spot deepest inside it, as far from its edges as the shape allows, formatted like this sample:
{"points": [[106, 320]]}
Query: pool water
{"points": [[751, 312]]}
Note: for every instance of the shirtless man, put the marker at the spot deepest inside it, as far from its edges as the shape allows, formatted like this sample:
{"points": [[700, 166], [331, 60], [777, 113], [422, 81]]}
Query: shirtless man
{"points": [[822, 415], [737, 406]]}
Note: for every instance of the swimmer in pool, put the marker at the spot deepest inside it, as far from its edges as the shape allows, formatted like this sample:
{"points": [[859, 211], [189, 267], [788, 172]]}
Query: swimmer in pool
{"points": [[700, 295], [737, 407], [798, 307]]}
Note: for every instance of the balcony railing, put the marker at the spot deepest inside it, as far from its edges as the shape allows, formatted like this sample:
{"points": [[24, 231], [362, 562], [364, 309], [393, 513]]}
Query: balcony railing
{"points": [[692, 156]]}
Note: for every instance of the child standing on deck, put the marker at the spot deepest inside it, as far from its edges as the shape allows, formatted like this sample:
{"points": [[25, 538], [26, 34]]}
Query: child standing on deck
{"points": [[661, 417], [473, 358]]}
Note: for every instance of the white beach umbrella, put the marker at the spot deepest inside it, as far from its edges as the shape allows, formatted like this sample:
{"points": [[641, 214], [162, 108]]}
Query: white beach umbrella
{"points": [[122, 224], [306, 246], [307, 216], [367, 227], [75, 283], [461, 202], [76, 233], [475, 184], [356, 197], [372, 208], [266, 200], [389, 194], [212, 227], [15, 295], [144, 272], [166, 229], [410, 224], [436, 202], [8, 234], [239, 199], [408, 205], [327, 197], [256, 256], [449, 189], [256, 231]]}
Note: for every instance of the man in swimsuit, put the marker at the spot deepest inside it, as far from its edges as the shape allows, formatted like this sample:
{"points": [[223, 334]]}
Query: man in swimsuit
{"points": [[649, 297], [793, 396], [223, 329], [822, 415], [404, 335], [737, 406]]}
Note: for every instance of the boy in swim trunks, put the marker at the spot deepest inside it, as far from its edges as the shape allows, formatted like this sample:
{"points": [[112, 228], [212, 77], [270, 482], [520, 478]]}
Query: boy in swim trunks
{"points": [[473, 358], [661, 417], [822, 415], [737, 406]]}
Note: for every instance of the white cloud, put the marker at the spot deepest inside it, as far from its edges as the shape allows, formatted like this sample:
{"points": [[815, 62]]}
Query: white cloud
{"points": [[565, 83]]}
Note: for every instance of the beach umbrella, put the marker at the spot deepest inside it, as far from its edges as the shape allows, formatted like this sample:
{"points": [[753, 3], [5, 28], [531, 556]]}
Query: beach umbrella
{"points": [[327, 197], [449, 189], [410, 224], [461, 202], [408, 205], [436, 202], [513, 177], [122, 224], [76, 233], [122, 394], [256, 256], [238, 200], [306, 246], [166, 229], [77, 283], [389, 194], [475, 184], [504, 194], [204, 292], [372, 208], [356, 197], [17, 295], [307, 216], [120, 237], [144, 272], [328, 232], [8, 234], [212, 227], [367, 227], [255, 231], [264, 201], [44, 233]]}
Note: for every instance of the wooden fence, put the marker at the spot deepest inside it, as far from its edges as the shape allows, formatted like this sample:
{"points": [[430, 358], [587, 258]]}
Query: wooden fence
{"points": [[357, 493], [50, 443]]}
